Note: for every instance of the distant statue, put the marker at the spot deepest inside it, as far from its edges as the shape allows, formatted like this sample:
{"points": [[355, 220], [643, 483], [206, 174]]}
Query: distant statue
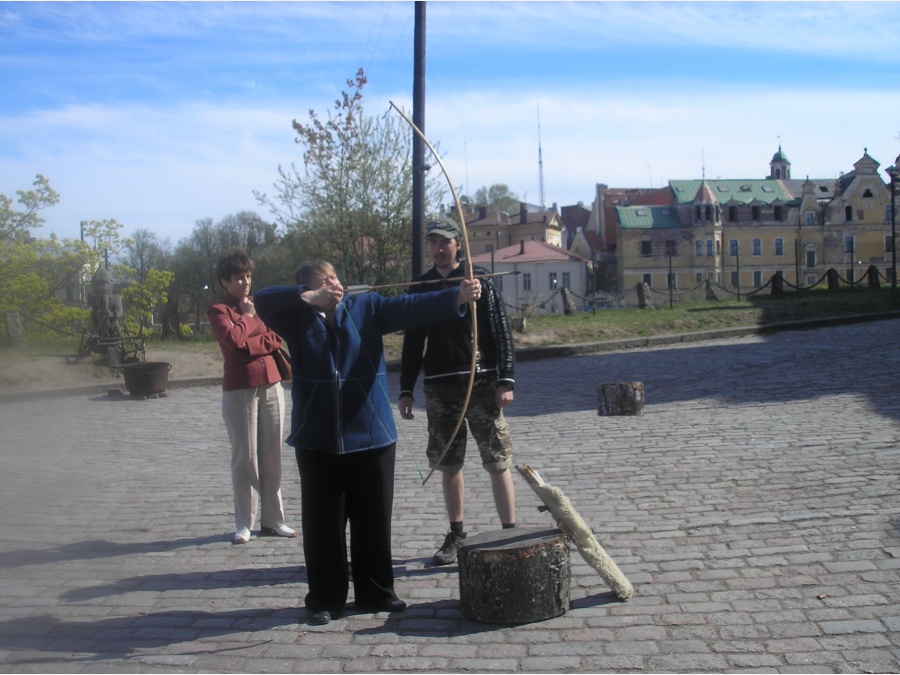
{"points": [[106, 306]]}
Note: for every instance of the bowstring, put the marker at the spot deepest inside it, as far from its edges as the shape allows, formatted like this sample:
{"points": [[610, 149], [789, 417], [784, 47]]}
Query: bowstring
{"points": [[384, 391]]}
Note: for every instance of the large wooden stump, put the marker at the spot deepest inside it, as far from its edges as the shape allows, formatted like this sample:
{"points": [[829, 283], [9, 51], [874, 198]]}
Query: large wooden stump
{"points": [[620, 398], [514, 576]]}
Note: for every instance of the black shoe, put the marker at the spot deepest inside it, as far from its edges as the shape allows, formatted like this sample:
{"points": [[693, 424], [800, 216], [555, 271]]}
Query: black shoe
{"points": [[322, 617], [395, 605], [446, 554]]}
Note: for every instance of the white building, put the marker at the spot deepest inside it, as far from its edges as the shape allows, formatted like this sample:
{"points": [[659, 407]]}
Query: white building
{"points": [[534, 274]]}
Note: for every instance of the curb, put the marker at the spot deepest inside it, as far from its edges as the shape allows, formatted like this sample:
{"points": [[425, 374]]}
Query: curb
{"points": [[527, 354]]}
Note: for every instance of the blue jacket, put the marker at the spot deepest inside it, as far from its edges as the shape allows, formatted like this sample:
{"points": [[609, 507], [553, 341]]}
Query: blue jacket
{"points": [[339, 389]]}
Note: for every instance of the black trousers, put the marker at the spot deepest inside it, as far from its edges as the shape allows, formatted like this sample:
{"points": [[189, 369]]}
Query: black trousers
{"points": [[336, 489]]}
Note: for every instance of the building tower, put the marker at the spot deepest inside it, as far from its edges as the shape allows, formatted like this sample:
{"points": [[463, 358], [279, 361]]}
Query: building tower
{"points": [[780, 166]]}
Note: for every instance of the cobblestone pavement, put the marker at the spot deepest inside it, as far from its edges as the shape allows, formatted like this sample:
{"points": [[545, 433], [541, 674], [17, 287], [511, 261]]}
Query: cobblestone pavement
{"points": [[754, 507]]}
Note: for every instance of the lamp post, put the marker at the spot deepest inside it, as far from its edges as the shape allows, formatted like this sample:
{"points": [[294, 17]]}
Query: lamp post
{"points": [[893, 172]]}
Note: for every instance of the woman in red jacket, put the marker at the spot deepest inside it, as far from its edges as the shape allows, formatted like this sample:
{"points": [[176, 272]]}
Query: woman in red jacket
{"points": [[252, 401]]}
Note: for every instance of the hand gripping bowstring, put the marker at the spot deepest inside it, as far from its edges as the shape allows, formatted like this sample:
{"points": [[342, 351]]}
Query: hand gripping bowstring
{"points": [[470, 275]]}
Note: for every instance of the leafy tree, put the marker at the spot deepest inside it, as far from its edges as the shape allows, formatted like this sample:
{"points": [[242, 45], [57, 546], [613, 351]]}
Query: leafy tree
{"points": [[497, 197], [352, 202], [16, 223], [141, 299], [106, 236], [33, 276]]}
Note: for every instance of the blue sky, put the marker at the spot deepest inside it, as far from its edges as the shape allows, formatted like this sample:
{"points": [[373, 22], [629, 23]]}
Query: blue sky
{"points": [[160, 114]]}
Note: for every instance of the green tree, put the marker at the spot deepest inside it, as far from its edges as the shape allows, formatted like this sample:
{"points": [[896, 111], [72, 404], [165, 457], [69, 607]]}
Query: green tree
{"points": [[15, 223], [35, 278], [497, 197], [141, 299], [352, 202]]}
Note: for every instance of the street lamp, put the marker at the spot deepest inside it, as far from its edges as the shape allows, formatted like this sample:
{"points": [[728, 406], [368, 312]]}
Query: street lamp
{"points": [[893, 171]]}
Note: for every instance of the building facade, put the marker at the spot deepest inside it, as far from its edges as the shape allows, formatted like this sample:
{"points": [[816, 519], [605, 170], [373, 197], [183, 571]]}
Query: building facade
{"points": [[533, 274], [738, 233]]}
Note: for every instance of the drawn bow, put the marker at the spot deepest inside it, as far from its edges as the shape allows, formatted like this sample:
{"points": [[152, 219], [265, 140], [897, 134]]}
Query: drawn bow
{"points": [[470, 275]]}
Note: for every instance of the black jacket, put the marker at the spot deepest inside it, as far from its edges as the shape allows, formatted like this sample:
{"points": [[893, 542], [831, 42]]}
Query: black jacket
{"points": [[448, 355]]}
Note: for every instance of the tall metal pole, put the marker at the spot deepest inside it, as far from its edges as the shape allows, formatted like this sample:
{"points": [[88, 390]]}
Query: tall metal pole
{"points": [[892, 171], [418, 147]]}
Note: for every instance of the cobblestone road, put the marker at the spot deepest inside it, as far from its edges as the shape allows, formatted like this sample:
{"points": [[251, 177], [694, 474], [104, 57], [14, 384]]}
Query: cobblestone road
{"points": [[754, 506]]}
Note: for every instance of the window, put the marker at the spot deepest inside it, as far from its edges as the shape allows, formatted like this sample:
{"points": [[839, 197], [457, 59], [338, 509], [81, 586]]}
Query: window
{"points": [[699, 244], [888, 243], [777, 214], [648, 279], [732, 213], [646, 248], [811, 259], [735, 280], [757, 279], [553, 281], [709, 211], [887, 212], [811, 280], [867, 193], [848, 244], [526, 281], [672, 280], [757, 247], [732, 247], [709, 247], [697, 213], [699, 277], [779, 246], [754, 213], [810, 218], [567, 280], [670, 247], [848, 214]]}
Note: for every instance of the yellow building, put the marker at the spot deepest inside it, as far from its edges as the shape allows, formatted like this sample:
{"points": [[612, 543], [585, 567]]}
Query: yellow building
{"points": [[739, 233]]}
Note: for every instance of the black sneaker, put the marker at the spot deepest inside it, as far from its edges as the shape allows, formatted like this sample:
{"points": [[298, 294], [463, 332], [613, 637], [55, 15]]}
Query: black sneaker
{"points": [[446, 554]]}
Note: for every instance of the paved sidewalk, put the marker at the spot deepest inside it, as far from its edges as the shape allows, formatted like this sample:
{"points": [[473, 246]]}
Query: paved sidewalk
{"points": [[754, 506]]}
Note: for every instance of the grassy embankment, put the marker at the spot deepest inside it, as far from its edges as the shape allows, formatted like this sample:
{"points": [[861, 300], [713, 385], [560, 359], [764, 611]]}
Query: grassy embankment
{"points": [[619, 323]]}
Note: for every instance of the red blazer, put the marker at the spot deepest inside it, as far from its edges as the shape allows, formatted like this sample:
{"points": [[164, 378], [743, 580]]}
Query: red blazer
{"points": [[247, 345]]}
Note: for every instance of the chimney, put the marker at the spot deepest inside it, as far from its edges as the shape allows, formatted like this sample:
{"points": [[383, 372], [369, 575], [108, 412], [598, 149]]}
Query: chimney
{"points": [[523, 213], [521, 247], [482, 212]]}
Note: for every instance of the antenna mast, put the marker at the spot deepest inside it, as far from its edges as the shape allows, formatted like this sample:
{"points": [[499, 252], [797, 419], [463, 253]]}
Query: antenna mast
{"points": [[541, 161]]}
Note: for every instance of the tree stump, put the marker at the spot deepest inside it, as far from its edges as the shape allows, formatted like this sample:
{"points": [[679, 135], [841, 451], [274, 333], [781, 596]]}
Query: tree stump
{"points": [[514, 576], [620, 398]]}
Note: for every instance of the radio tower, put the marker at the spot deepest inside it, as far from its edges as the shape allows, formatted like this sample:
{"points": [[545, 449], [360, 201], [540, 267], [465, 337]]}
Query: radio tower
{"points": [[541, 161]]}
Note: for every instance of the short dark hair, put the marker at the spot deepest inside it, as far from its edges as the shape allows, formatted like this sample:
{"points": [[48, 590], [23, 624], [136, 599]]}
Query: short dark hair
{"points": [[234, 261], [306, 270]]}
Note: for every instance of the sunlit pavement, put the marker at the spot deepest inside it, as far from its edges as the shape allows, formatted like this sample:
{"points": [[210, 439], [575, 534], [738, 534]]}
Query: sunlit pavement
{"points": [[754, 507]]}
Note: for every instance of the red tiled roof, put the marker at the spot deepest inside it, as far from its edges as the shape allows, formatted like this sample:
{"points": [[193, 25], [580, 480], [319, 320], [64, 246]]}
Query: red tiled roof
{"points": [[527, 252]]}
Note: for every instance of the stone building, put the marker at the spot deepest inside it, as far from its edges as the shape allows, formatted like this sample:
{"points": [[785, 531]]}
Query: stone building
{"points": [[739, 232]]}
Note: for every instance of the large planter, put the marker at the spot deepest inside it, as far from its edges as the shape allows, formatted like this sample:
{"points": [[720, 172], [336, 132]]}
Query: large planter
{"points": [[146, 379]]}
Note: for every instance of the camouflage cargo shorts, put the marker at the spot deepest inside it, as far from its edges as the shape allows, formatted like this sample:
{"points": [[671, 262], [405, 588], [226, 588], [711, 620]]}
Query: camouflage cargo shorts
{"points": [[443, 403]]}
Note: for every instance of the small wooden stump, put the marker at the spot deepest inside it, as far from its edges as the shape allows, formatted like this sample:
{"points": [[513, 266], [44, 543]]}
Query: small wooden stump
{"points": [[620, 398], [514, 576]]}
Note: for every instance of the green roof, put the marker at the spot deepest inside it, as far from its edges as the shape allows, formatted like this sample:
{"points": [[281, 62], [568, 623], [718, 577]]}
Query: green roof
{"points": [[647, 217], [761, 190]]}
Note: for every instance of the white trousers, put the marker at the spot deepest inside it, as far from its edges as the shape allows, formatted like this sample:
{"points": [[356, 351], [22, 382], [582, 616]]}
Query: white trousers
{"points": [[254, 419]]}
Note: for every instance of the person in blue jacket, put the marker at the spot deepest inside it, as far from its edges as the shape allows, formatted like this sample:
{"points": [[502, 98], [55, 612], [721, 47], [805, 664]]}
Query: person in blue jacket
{"points": [[342, 427]]}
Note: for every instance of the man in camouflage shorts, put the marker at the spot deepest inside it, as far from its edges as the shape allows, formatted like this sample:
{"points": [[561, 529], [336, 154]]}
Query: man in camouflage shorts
{"points": [[446, 363]]}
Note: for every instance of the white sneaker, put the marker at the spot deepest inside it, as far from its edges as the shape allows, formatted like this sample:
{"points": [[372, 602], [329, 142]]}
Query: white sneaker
{"points": [[242, 536], [280, 530]]}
